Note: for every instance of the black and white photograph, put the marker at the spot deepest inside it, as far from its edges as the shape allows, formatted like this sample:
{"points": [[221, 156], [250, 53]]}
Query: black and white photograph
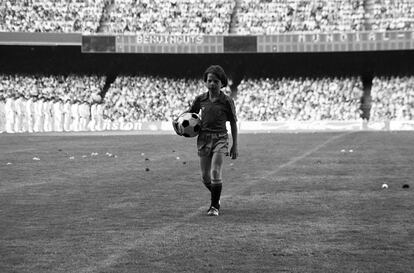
{"points": [[206, 136]]}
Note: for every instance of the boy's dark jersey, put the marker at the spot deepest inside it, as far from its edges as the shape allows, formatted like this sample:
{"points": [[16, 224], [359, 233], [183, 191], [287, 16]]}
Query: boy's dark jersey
{"points": [[214, 114]]}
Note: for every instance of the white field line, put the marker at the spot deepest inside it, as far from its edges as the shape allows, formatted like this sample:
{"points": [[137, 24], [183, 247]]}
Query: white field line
{"points": [[271, 174], [19, 150], [16, 186], [112, 259], [302, 156]]}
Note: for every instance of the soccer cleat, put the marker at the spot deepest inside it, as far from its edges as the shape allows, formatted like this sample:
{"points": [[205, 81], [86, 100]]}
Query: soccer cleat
{"points": [[218, 207], [212, 211]]}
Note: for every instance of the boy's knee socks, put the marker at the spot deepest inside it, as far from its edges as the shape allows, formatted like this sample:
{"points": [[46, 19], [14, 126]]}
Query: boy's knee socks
{"points": [[216, 187]]}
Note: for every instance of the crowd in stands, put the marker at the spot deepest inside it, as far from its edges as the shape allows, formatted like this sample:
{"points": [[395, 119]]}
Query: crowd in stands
{"points": [[65, 87], [169, 17], [299, 99], [391, 15], [149, 98], [71, 103], [156, 98], [281, 16], [392, 98], [51, 15], [205, 16]]}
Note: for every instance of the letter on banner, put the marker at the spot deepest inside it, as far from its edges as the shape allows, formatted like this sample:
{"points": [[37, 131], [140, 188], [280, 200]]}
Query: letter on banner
{"points": [[316, 37], [199, 39], [329, 38]]}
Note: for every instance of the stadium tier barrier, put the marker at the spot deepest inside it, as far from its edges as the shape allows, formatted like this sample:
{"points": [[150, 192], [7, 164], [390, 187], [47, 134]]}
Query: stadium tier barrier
{"points": [[400, 125], [255, 126], [195, 43], [275, 126], [258, 126], [280, 126], [323, 125]]}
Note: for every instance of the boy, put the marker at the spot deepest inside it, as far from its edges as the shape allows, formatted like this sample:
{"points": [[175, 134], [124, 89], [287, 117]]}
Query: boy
{"points": [[212, 142]]}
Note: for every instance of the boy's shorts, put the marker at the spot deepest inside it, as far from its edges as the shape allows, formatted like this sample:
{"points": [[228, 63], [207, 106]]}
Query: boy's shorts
{"points": [[209, 143]]}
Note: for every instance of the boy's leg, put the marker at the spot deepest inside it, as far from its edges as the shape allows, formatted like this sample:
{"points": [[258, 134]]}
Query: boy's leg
{"points": [[216, 181], [205, 165]]}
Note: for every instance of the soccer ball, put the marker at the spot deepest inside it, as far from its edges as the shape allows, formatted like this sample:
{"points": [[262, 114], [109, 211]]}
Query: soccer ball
{"points": [[189, 124]]}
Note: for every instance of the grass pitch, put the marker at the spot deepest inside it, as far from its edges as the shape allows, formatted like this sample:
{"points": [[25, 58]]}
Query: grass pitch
{"points": [[307, 202]]}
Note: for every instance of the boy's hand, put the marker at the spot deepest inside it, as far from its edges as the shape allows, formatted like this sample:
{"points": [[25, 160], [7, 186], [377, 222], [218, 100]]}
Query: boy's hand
{"points": [[233, 152]]}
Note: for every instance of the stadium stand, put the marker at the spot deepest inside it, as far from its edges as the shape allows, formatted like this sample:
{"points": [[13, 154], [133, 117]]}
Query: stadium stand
{"points": [[52, 16], [168, 17], [74, 87], [134, 99], [159, 99], [280, 16], [299, 99], [246, 17], [392, 98], [149, 98], [131, 100], [390, 14]]}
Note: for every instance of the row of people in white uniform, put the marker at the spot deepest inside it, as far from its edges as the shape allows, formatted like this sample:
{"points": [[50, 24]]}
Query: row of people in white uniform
{"points": [[31, 114]]}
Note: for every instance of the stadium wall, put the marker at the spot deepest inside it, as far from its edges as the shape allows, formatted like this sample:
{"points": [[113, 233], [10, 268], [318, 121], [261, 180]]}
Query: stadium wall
{"points": [[282, 126], [198, 44], [40, 38], [70, 59], [364, 54], [280, 43]]}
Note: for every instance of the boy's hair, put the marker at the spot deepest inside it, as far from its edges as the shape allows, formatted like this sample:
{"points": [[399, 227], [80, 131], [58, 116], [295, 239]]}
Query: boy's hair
{"points": [[219, 72]]}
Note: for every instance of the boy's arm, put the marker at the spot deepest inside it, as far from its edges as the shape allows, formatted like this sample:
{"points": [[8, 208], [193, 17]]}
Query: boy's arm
{"points": [[233, 125], [234, 151]]}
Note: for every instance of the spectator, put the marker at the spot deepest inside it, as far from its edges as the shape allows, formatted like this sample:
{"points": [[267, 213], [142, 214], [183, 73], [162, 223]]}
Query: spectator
{"points": [[58, 115], [2, 113], [10, 113]]}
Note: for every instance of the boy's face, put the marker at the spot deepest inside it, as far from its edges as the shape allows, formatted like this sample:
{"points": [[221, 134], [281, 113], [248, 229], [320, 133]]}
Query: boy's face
{"points": [[213, 83]]}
